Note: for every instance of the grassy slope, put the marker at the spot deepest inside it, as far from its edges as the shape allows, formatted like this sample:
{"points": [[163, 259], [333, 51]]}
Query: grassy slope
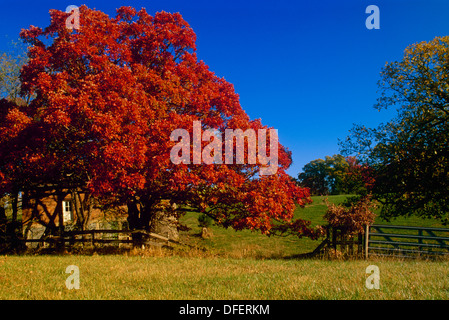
{"points": [[253, 244], [242, 244]]}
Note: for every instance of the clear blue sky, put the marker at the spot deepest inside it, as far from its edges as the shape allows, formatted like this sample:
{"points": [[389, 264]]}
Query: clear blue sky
{"points": [[307, 68]]}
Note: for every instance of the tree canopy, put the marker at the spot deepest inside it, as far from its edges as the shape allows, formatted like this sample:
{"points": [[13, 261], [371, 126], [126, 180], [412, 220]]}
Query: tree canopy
{"points": [[106, 98], [410, 153], [333, 175]]}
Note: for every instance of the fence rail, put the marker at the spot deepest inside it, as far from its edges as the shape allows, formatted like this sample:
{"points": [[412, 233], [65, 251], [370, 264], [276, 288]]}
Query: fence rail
{"points": [[386, 240], [98, 236], [406, 241]]}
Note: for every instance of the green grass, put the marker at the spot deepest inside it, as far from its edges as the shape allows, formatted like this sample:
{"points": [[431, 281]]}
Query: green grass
{"points": [[172, 277], [234, 265], [247, 244], [243, 244]]}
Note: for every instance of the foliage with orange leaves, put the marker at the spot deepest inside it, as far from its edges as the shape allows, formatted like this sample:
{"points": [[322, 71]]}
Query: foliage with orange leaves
{"points": [[107, 96]]}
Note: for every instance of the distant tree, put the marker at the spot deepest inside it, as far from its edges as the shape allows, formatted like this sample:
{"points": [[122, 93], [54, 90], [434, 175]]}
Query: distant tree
{"points": [[324, 176], [338, 166], [11, 63], [357, 178], [410, 153], [315, 177]]}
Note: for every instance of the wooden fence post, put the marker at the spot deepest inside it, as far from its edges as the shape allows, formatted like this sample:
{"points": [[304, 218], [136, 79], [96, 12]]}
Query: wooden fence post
{"points": [[334, 238], [366, 240], [359, 244], [92, 239]]}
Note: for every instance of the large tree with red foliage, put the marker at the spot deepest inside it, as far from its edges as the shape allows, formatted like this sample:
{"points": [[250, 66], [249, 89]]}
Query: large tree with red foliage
{"points": [[106, 98]]}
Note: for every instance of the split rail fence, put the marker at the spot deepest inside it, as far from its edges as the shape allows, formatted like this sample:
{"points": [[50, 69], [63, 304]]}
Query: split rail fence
{"points": [[96, 238]]}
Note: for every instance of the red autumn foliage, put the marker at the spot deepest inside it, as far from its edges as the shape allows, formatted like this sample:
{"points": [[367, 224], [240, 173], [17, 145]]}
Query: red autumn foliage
{"points": [[359, 178], [106, 98]]}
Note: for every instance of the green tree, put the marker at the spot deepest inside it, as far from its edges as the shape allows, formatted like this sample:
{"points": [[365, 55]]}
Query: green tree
{"points": [[337, 168], [324, 176], [314, 177], [410, 153]]}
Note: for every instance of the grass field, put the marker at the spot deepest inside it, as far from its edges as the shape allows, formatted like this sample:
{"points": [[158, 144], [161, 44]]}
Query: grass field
{"points": [[247, 244], [135, 277], [234, 265]]}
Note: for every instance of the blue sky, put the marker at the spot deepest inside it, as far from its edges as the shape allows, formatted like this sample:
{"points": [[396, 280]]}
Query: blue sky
{"points": [[307, 68]]}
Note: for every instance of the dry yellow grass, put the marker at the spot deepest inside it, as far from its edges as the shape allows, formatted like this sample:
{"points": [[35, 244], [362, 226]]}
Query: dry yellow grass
{"points": [[158, 275]]}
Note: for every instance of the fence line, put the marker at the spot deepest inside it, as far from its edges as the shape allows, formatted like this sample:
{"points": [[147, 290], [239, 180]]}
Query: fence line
{"points": [[386, 240], [406, 241], [135, 237]]}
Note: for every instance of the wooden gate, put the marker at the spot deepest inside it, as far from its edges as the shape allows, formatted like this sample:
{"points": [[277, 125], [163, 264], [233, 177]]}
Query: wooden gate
{"points": [[386, 240], [339, 243], [406, 241]]}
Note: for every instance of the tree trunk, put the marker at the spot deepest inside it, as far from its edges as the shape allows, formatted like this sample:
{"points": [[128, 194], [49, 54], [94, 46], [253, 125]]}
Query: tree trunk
{"points": [[60, 243], [83, 209], [15, 207], [146, 216], [78, 207], [133, 215], [139, 218], [88, 202]]}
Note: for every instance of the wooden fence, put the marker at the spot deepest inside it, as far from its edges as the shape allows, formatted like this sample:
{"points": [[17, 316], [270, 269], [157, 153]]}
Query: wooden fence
{"points": [[347, 244], [337, 241], [101, 237], [406, 241]]}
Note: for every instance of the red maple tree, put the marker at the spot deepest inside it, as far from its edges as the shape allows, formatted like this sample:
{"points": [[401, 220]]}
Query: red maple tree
{"points": [[107, 96]]}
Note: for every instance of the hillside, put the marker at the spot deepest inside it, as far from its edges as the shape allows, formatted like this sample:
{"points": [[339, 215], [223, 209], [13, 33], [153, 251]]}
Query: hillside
{"points": [[247, 244]]}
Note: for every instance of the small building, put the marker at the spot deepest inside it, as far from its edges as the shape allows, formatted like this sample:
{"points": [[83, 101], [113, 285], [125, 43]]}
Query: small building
{"points": [[42, 211]]}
